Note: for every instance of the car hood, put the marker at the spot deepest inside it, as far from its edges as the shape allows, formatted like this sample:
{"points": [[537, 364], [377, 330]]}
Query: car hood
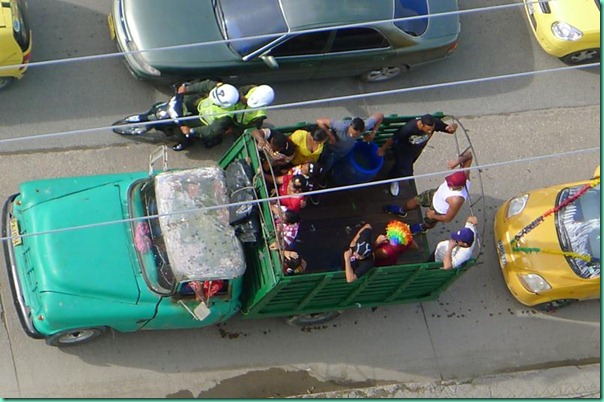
{"points": [[543, 236], [96, 260], [160, 23], [582, 14]]}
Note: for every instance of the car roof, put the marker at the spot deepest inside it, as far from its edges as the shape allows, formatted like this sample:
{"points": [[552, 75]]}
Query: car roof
{"points": [[317, 13]]}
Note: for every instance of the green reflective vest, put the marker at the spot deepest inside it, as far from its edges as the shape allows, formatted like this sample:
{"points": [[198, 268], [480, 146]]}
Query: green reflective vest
{"points": [[208, 111]]}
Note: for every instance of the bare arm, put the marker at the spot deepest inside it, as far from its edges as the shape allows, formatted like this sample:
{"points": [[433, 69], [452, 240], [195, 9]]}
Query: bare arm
{"points": [[455, 203], [448, 258], [379, 117], [350, 276]]}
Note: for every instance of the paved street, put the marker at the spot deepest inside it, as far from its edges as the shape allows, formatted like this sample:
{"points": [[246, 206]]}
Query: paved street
{"points": [[475, 328], [528, 133]]}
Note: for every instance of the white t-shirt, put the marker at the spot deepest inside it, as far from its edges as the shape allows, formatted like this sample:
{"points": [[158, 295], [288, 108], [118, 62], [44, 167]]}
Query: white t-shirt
{"points": [[439, 201], [459, 254]]}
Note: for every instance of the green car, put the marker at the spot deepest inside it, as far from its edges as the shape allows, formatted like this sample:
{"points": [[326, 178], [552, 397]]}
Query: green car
{"points": [[265, 40]]}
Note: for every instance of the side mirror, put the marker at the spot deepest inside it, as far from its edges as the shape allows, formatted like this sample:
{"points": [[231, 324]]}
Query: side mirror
{"points": [[270, 62]]}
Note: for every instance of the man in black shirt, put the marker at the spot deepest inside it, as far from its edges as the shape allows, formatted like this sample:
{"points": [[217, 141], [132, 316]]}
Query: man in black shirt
{"points": [[409, 141]]}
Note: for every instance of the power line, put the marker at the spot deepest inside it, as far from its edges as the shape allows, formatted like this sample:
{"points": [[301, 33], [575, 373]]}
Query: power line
{"points": [[315, 192], [266, 36], [317, 101]]}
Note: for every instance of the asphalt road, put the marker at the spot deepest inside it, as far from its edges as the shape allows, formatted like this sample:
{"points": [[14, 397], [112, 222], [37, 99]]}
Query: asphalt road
{"points": [[475, 327]]}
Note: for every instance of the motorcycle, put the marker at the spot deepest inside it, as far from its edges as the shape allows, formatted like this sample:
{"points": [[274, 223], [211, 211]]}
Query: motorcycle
{"points": [[162, 116]]}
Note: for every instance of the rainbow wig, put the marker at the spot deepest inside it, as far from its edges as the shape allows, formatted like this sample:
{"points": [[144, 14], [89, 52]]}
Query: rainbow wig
{"points": [[398, 233]]}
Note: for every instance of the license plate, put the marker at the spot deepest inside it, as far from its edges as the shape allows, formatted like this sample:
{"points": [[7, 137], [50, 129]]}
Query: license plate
{"points": [[14, 232], [501, 251], [111, 26]]}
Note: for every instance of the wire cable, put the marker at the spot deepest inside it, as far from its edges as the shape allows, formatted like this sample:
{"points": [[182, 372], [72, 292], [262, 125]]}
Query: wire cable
{"points": [[266, 36], [314, 192], [316, 101]]}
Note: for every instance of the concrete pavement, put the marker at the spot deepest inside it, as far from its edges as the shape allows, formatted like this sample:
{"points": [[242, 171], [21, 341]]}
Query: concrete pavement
{"points": [[559, 382], [565, 129]]}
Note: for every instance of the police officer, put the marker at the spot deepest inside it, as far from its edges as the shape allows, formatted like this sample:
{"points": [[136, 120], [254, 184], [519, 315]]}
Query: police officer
{"points": [[214, 109]]}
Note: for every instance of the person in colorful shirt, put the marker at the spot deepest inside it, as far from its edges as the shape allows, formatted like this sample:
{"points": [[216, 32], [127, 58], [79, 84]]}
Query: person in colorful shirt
{"points": [[397, 240]]}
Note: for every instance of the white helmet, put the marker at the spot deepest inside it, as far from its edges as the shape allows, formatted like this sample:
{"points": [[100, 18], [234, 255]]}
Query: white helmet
{"points": [[224, 95], [262, 95]]}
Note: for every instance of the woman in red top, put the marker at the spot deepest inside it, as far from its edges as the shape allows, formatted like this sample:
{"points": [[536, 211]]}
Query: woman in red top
{"points": [[389, 247], [293, 185]]}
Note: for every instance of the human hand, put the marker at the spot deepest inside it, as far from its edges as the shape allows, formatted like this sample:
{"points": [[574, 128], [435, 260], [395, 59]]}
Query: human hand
{"points": [[452, 164], [185, 130], [182, 89], [473, 220], [431, 214], [451, 128]]}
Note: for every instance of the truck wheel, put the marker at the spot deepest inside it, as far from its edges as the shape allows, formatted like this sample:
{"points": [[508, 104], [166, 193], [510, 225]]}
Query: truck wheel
{"points": [[554, 304], [311, 319], [75, 336]]}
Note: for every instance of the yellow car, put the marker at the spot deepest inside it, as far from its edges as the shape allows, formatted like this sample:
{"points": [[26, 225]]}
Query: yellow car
{"points": [[567, 29], [15, 41], [548, 243]]}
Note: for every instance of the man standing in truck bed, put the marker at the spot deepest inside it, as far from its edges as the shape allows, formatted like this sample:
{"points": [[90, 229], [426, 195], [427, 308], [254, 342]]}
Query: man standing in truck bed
{"points": [[408, 142]]}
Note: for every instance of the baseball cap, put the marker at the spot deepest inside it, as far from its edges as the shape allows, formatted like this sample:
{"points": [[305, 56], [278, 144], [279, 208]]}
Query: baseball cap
{"points": [[456, 179], [465, 235]]}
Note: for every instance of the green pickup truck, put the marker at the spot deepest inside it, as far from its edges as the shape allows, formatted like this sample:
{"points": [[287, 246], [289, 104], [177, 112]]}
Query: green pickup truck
{"points": [[189, 248]]}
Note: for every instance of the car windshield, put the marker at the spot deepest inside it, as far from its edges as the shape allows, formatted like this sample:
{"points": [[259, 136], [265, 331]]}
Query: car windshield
{"points": [[578, 226], [148, 239], [242, 19], [411, 8]]}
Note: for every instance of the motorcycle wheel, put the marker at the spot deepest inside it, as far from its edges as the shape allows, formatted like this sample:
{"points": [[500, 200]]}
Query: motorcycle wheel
{"points": [[129, 130]]}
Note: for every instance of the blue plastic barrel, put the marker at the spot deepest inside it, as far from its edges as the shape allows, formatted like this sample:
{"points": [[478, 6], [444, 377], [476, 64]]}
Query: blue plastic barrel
{"points": [[360, 165]]}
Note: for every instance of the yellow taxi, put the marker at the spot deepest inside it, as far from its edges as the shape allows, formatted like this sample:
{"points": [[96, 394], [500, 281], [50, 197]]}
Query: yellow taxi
{"points": [[567, 29], [15, 41], [548, 244]]}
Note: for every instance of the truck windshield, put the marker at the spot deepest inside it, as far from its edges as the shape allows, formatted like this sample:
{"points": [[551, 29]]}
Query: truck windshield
{"points": [[148, 238], [578, 226]]}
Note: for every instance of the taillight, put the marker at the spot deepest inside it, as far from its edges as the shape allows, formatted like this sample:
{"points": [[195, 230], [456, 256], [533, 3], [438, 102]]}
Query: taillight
{"points": [[452, 48]]}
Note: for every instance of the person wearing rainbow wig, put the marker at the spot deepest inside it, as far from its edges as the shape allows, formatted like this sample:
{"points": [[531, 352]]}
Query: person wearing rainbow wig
{"points": [[397, 240]]}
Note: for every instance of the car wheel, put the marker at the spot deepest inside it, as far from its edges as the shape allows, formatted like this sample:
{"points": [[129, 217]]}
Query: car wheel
{"points": [[582, 57], [312, 319], [75, 336], [6, 82], [554, 305], [381, 74]]}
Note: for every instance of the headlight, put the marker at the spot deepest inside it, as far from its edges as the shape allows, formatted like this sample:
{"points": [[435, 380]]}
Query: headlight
{"points": [[140, 60], [534, 283], [564, 31], [517, 205]]}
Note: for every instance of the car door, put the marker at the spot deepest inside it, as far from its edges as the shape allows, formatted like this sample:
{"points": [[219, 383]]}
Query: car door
{"points": [[353, 51], [298, 56]]}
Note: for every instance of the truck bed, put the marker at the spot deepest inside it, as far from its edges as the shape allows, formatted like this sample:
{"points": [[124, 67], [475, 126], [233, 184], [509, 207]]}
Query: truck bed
{"points": [[326, 229]]}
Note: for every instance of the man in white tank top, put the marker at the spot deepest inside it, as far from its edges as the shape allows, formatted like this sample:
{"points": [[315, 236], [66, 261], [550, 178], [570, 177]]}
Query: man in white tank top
{"points": [[444, 202]]}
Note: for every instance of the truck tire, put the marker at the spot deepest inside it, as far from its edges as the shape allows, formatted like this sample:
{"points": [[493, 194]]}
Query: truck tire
{"points": [[75, 336], [303, 320]]}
